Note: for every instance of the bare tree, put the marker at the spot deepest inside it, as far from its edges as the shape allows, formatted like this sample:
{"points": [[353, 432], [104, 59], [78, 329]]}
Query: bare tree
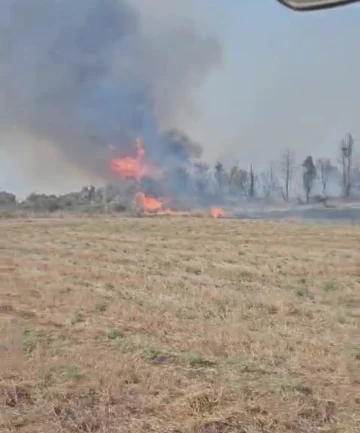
{"points": [[287, 168], [324, 169], [346, 159], [238, 181], [252, 180], [202, 178], [270, 182], [309, 175], [356, 175]]}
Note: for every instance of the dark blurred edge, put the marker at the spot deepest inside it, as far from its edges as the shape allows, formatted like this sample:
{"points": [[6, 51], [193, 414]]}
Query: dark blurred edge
{"points": [[303, 8]]}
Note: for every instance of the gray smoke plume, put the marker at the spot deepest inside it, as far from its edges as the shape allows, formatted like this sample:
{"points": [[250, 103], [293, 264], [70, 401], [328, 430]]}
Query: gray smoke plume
{"points": [[86, 74]]}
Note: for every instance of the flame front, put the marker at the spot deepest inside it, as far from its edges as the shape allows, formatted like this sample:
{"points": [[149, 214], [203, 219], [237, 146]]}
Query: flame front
{"points": [[136, 168], [217, 212], [148, 203]]}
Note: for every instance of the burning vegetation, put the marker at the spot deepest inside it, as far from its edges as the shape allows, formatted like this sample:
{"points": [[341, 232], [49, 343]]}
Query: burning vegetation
{"points": [[103, 82], [178, 188], [139, 183], [136, 168]]}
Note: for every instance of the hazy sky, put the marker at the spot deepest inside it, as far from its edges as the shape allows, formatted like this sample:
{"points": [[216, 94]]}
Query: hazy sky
{"points": [[286, 80]]}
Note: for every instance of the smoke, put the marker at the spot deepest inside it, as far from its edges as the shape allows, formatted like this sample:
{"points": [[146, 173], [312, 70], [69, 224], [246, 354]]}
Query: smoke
{"points": [[84, 74]]}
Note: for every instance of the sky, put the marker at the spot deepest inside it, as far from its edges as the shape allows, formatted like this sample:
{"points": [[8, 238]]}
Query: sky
{"points": [[286, 80]]}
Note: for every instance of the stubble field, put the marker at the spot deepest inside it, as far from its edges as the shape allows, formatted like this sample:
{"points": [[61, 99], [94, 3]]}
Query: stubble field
{"points": [[179, 325]]}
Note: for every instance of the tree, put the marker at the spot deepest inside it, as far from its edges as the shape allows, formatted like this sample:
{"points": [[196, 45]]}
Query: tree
{"points": [[175, 180], [346, 159], [356, 174], [42, 203], [238, 180], [324, 169], [252, 180], [7, 199], [201, 178], [221, 176], [270, 182], [287, 167], [309, 176], [92, 192]]}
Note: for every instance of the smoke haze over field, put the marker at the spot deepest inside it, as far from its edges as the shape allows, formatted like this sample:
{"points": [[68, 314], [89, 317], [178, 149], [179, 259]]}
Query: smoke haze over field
{"points": [[86, 74]]}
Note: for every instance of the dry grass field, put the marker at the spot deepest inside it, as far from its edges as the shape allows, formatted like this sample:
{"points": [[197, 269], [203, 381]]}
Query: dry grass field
{"points": [[179, 325]]}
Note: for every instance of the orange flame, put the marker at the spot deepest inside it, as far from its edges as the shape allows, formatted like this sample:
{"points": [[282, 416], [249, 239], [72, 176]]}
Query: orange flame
{"points": [[152, 205], [148, 203], [217, 212], [131, 167], [135, 168]]}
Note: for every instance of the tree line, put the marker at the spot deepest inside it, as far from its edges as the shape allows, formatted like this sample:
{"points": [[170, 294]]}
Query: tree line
{"points": [[310, 179], [343, 176]]}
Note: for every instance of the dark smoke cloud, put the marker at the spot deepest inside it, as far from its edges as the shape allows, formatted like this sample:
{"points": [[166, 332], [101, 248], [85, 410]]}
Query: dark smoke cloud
{"points": [[85, 74], [181, 145]]}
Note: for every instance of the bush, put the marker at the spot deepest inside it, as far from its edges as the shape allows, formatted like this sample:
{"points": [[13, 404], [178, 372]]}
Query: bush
{"points": [[7, 199]]}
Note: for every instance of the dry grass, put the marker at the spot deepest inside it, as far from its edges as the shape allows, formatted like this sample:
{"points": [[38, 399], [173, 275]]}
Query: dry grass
{"points": [[178, 325]]}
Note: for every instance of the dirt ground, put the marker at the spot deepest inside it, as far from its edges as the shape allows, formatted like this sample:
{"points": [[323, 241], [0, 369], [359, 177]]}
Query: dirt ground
{"points": [[179, 325]]}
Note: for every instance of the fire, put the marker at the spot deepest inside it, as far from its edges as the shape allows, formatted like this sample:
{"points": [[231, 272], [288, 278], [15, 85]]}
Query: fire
{"points": [[131, 167], [136, 167], [217, 212], [148, 203], [152, 205]]}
